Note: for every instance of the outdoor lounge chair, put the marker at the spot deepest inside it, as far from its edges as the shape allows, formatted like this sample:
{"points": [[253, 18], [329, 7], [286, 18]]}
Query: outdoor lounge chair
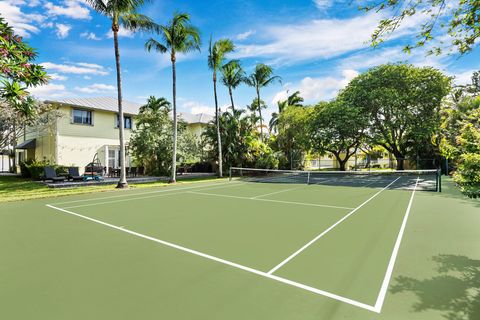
{"points": [[74, 174], [50, 174]]}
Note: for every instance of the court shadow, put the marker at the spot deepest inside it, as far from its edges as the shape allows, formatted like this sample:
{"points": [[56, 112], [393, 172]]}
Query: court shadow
{"points": [[455, 291]]}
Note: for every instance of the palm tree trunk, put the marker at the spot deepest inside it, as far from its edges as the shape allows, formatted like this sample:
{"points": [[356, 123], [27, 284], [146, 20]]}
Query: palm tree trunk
{"points": [[231, 98], [219, 138], [174, 92], [260, 114], [122, 183]]}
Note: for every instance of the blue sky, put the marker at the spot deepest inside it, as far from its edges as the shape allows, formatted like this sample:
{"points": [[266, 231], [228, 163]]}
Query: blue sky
{"points": [[316, 46]]}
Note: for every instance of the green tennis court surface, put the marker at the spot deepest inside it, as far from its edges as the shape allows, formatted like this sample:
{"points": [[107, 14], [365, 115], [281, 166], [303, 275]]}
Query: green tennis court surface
{"points": [[244, 249]]}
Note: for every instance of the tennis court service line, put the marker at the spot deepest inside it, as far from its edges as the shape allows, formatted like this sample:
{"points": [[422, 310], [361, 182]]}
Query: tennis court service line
{"points": [[272, 193], [133, 196], [269, 200], [393, 258], [223, 261], [167, 189], [308, 244]]}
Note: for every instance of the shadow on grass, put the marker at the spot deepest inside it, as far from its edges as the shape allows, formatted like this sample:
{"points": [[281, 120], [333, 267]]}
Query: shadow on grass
{"points": [[455, 291]]}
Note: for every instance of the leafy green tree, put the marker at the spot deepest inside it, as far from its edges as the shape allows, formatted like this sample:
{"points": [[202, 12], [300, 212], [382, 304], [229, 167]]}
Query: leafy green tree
{"points": [[255, 107], [122, 13], [261, 77], [178, 36], [293, 100], [232, 76], [18, 72], [151, 141], [467, 176], [216, 57], [402, 103], [459, 20], [292, 138], [337, 128]]}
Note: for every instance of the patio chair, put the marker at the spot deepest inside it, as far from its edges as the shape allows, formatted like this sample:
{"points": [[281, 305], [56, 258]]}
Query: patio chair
{"points": [[74, 174], [133, 172], [141, 171], [50, 174]]}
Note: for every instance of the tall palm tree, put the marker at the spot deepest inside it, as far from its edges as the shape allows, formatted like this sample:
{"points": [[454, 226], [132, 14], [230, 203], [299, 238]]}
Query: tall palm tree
{"points": [[292, 100], [122, 13], [216, 57], [178, 36], [232, 76], [261, 77], [155, 104]]}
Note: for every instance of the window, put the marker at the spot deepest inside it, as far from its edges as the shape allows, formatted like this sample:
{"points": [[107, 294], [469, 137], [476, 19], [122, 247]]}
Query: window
{"points": [[127, 122], [82, 116]]}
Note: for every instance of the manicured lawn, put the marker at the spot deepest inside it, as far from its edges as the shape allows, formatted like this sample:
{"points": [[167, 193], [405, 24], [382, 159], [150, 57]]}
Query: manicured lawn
{"points": [[15, 188]]}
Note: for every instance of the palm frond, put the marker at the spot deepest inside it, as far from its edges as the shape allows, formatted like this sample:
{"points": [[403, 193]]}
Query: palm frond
{"points": [[153, 44], [138, 22]]}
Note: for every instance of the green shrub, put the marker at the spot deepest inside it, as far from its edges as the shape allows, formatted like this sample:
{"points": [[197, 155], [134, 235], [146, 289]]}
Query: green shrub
{"points": [[467, 176], [35, 169]]}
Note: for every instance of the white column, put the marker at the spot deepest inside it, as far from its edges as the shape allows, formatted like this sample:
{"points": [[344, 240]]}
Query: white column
{"points": [[106, 158]]}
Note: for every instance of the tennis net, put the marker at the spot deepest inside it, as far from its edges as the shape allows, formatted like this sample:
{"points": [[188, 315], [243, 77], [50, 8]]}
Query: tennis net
{"points": [[427, 180]]}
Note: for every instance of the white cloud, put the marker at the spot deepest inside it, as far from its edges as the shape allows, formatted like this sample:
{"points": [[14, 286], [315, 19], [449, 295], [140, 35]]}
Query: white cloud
{"points": [[319, 39], [96, 88], [74, 9], [90, 36], [462, 77], [23, 23], [79, 68], [196, 107], [245, 35], [316, 89], [122, 32], [87, 77], [323, 4], [49, 91], [59, 77], [62, 30]]}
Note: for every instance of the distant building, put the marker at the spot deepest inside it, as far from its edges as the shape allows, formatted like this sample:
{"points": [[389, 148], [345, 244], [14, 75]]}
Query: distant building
{"points": [[87, 127]]}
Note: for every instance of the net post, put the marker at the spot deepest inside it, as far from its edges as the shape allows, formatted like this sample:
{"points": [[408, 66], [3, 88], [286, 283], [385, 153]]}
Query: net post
{"points": [[439, 180], [308, 177], [230, 174]]}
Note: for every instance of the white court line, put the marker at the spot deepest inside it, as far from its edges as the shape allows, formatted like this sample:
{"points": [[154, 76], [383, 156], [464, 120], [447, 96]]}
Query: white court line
{"points": [[226, 262], [391, 264], [276, 192], [132, 197], [293, 255], [269, 200], [142, 193]]}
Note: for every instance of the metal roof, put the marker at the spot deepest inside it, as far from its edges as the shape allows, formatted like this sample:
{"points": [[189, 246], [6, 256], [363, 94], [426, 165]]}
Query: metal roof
{"points": [[195, 118], [100, 103]]}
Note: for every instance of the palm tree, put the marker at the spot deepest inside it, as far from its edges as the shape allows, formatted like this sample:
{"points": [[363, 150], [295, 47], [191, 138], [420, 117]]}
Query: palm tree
{"points": [[155, 104], [293, 100], [232, 76], [216, 56], [261, 77], [177, 36], [122, 13], [254, 107]]}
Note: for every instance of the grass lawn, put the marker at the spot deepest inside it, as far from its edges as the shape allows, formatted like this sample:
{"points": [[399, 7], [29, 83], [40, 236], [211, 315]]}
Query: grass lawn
{"points": [[16, 188]]}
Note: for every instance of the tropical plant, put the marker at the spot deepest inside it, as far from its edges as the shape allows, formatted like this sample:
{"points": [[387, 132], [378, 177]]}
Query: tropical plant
{"points": [[122, 13], [337, 128], [216, 57], [178, 36], [459, 20], [402, 103], [292, 100], [254, 107], [261, 77], [232, 76]]}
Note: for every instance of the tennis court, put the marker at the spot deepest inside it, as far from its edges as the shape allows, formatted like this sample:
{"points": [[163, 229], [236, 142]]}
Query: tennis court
{"points": [[331, 235]]}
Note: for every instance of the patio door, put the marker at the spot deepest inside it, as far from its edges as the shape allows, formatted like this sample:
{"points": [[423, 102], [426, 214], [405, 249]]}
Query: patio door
{"points": [[113, 158]]}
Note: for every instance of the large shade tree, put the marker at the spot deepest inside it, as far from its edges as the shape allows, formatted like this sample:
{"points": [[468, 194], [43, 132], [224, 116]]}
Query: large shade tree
{"points": [[337, 128], [178, 36], [292, 100], [232, 76], [216, 57], [122, 13], [261, 77], [402, 103]]}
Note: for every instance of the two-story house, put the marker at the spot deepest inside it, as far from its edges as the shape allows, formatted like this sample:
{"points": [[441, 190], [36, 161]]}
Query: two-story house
{"points": [[85, 127]]}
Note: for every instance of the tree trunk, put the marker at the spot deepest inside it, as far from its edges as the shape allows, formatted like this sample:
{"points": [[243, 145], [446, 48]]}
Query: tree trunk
{"points": [[231, 98], [14, 152], [174, 92], [122, 183], [260, 114], [400, 162], [219, 138]]}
